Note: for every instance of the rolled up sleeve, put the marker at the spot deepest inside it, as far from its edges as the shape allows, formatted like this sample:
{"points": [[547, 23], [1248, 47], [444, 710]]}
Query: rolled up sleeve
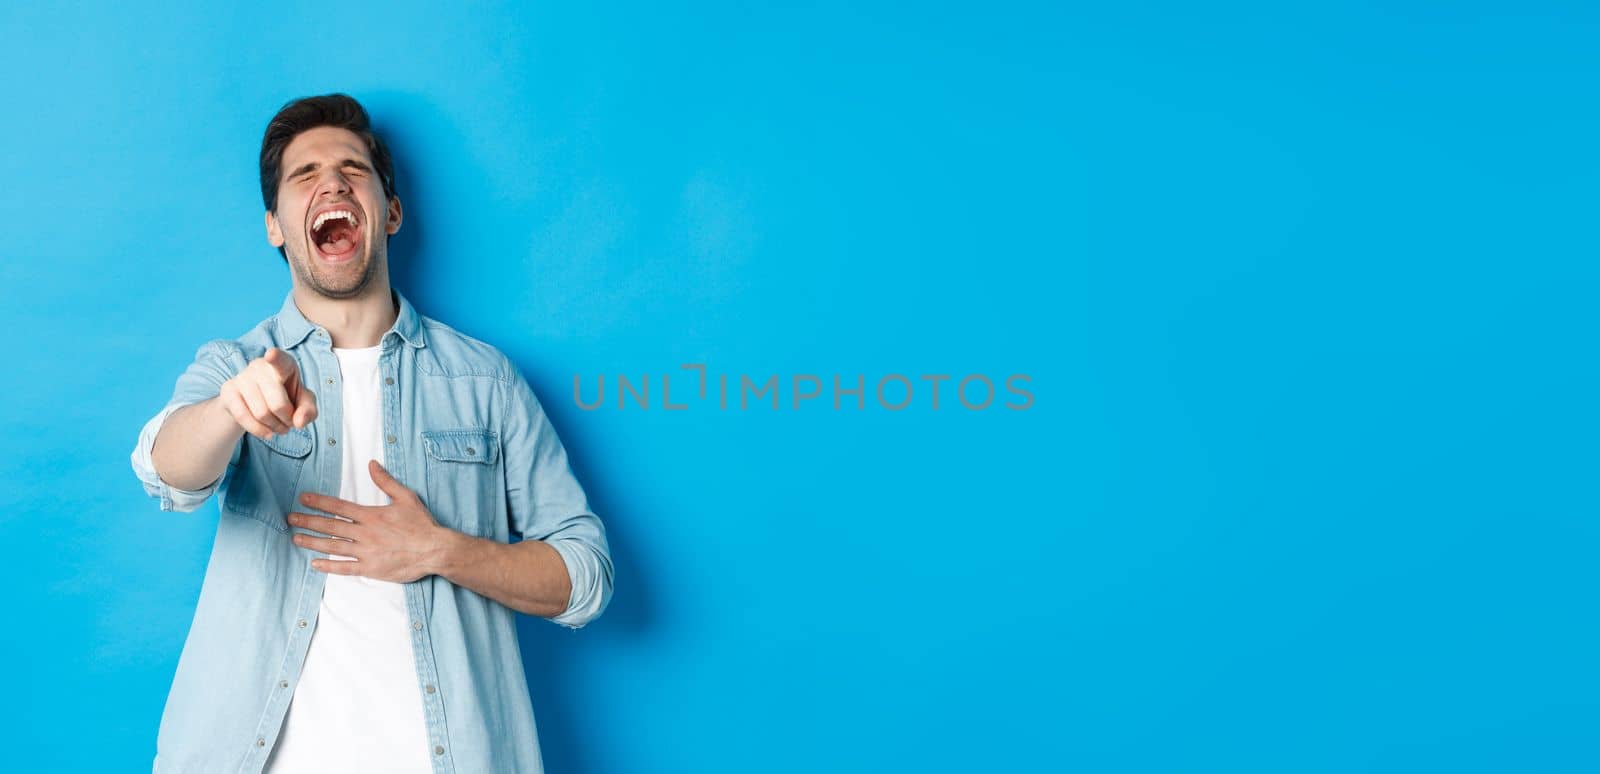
{"points": [[214, 363], [546, 502]]}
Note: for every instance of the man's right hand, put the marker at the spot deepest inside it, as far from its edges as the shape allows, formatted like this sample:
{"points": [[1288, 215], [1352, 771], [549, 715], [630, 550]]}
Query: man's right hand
{"points": [[267, 398]]}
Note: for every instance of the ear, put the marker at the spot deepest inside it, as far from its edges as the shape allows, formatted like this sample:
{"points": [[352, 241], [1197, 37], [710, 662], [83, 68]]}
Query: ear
{"points": [[395, 216], [274, 234]]}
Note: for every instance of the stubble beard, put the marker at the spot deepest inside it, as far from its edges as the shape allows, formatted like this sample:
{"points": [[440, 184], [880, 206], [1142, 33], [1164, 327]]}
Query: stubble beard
{"points": [[346, 281]]}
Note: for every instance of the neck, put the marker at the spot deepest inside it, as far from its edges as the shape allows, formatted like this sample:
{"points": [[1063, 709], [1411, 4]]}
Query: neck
{"points": [[353, 323]]}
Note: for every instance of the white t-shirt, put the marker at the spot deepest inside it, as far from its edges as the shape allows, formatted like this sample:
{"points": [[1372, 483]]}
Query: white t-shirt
{"points": [[357, 706]]}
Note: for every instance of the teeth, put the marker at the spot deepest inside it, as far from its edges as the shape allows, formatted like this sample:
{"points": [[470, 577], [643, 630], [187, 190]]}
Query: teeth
{"points": [[331, 214]]}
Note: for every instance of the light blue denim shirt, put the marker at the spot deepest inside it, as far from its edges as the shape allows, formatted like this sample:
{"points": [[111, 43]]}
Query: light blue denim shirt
{"points": [[465, 431]]}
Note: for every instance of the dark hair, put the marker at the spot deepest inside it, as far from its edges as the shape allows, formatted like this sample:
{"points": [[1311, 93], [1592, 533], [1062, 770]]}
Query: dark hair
{"points": [[338, 110]]}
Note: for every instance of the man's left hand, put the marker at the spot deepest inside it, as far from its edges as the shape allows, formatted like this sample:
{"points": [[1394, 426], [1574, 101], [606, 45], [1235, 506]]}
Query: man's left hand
{"points": [[399, 542]]}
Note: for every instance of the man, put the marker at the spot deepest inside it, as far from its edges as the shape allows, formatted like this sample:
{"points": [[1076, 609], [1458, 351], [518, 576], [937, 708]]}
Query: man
{"points": [[358, 610]]}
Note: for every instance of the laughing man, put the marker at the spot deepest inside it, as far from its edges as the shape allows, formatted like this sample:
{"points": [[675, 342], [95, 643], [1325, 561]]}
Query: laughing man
{"points": [[358, 610]]}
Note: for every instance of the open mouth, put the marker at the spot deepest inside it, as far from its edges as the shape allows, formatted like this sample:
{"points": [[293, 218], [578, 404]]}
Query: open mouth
{"points": [[336, 233]]}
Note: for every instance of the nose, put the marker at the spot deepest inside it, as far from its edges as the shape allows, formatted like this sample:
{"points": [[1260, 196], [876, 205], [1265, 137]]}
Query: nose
{"points": [[333, 183]]}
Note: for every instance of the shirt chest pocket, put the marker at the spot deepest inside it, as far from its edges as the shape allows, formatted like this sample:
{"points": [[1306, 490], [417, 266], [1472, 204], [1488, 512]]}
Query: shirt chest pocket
{"points": [[264, 483], [465, 490]]}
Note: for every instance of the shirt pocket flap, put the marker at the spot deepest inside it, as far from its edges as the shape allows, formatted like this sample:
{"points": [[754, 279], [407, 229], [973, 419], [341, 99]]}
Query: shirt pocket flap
{"points": [[295, 443], [467, 445]]}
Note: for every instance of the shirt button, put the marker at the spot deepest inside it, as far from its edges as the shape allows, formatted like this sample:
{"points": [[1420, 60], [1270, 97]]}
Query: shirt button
{"points": [[416, 625], [283, 683], [471, 450], [333, 442], [430, 689], [388, 380], [438, 749], [301, 623], [330, 380], [261, 743], [391, 439]]}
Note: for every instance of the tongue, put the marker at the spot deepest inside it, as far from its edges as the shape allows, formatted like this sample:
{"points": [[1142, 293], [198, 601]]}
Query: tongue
{"points": [[340, 240]]}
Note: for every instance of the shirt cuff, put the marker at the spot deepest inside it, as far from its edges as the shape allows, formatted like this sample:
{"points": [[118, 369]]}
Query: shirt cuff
{"points": [[171, 498], [591, 583]]}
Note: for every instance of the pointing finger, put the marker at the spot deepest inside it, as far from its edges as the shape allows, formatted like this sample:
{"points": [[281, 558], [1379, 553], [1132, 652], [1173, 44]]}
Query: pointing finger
{"points": [[282, 363]]}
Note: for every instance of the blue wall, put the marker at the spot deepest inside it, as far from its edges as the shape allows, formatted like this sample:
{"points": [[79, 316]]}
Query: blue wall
{"points": [[1307, 297]]}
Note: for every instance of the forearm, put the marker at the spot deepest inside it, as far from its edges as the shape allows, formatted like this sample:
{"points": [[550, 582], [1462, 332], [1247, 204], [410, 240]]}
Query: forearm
{"points": [[194, 444], [529, 577]]}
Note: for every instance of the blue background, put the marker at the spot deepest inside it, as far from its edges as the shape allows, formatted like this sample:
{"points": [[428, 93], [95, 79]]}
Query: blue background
{"points": [[1307, 296]]}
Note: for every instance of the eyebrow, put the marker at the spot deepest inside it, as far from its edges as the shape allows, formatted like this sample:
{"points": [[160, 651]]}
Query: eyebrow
{"points": [[314, 166]]}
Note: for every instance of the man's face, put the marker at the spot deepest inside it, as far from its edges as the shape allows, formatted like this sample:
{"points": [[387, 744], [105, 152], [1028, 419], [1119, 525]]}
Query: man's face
{"points": [[332, 218]]}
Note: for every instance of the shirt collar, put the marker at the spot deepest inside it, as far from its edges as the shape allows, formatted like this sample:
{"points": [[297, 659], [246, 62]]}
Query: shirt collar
{"points": [[293, 327]]}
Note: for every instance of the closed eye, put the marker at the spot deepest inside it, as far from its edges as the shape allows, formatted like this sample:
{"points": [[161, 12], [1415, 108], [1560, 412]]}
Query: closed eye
{"points": [[308, 171]]}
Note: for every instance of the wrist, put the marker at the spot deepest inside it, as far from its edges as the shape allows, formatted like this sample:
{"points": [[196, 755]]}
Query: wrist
{"points": [[449, 552]]}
